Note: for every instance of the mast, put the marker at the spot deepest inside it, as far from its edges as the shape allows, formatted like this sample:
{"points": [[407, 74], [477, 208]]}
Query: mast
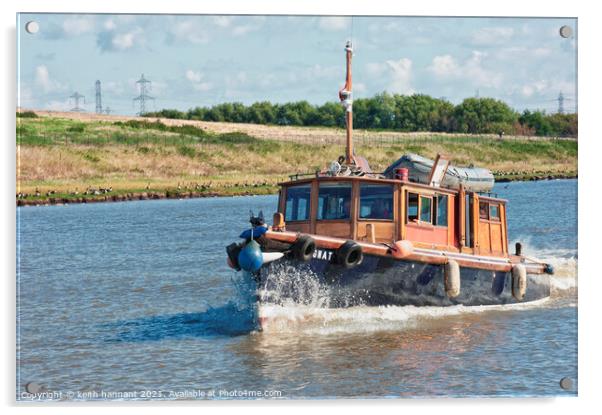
{"points": [[346, 98]]}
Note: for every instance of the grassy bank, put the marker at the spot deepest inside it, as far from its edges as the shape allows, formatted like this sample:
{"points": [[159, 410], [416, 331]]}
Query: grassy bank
{"points": [[73, 159]]}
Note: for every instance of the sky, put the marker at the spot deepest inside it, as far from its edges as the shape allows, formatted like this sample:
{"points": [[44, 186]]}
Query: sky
{"points": [[203, 60]]}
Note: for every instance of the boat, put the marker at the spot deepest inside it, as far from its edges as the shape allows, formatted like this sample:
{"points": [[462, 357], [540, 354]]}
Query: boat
{"points": [[422, 233], [474, 179]]}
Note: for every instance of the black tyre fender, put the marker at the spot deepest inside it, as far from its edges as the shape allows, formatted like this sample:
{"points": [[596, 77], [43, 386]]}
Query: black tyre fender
{"points": [[233, 250], [304, 248], [349, 254]]}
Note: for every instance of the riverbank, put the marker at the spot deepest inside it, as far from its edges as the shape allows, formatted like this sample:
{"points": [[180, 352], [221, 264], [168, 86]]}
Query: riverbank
{"points": [[124, 196], [85, 160]]}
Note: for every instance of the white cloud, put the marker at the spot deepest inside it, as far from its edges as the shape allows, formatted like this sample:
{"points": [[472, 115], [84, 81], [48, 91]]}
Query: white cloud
{"points": [[123, 41], [480, 76], [538, 86], [110, 24], [492, 36], [187, 31], [75, 26], [222, 21], [400, 73], [113, 40], [193, 76], [334, 23], [542, 52], [196, 79], [242, 30], [527, 90], [446, 68], [43, 79], [254, 23]]}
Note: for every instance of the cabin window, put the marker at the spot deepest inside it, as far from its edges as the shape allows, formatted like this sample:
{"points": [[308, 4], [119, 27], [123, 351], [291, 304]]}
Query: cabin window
{"points": [[412, 207], [441, 209], [376, 201], [426, 209], [489, 211], [298, 200], [494, 212], [334, 201], [484, 210]]}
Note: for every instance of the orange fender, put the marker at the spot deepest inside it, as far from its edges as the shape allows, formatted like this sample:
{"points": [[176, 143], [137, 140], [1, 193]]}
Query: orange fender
{"points": [[402, 249]]}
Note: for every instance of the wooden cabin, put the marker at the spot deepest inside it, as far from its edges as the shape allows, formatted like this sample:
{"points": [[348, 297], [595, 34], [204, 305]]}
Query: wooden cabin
{"points": [[387, 210], [368, 207]]}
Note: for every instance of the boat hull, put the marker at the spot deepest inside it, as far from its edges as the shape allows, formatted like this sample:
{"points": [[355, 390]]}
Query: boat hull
{"points": [[387, 281]]}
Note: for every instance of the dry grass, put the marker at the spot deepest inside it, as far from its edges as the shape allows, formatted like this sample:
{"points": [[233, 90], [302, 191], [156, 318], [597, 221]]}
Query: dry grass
{"points": [[315, 135], [162, 163]]}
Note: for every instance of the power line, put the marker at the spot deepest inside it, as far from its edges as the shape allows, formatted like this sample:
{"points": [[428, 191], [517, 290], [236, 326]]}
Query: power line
{"points": [[143, 97], [561, 99], [98, 98], [76, 97]]}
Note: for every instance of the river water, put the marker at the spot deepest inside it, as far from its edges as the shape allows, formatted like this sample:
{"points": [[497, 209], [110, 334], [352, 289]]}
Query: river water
{"points": [[134, 300]]}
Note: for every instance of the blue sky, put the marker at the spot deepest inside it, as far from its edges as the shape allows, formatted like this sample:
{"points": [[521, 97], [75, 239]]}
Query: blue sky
{"points": [[205, 60]]}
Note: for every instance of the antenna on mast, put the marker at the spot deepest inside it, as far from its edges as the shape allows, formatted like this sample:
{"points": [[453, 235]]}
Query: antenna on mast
{"points": [[346, 97]]}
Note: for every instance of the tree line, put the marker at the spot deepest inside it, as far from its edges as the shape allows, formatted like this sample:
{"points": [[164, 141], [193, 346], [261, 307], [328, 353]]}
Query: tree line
{"points": [[392, 112]]}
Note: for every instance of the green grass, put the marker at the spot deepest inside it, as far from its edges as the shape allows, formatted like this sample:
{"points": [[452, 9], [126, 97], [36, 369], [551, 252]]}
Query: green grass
{"points": [[56, 131], [63, 155], [187, 151], [166, 192], [27, 114]]}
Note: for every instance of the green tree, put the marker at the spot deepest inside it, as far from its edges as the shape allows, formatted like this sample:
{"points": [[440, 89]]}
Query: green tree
{"points": [[538, 121], [484, 115], [262, 113], [416, 112]]}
